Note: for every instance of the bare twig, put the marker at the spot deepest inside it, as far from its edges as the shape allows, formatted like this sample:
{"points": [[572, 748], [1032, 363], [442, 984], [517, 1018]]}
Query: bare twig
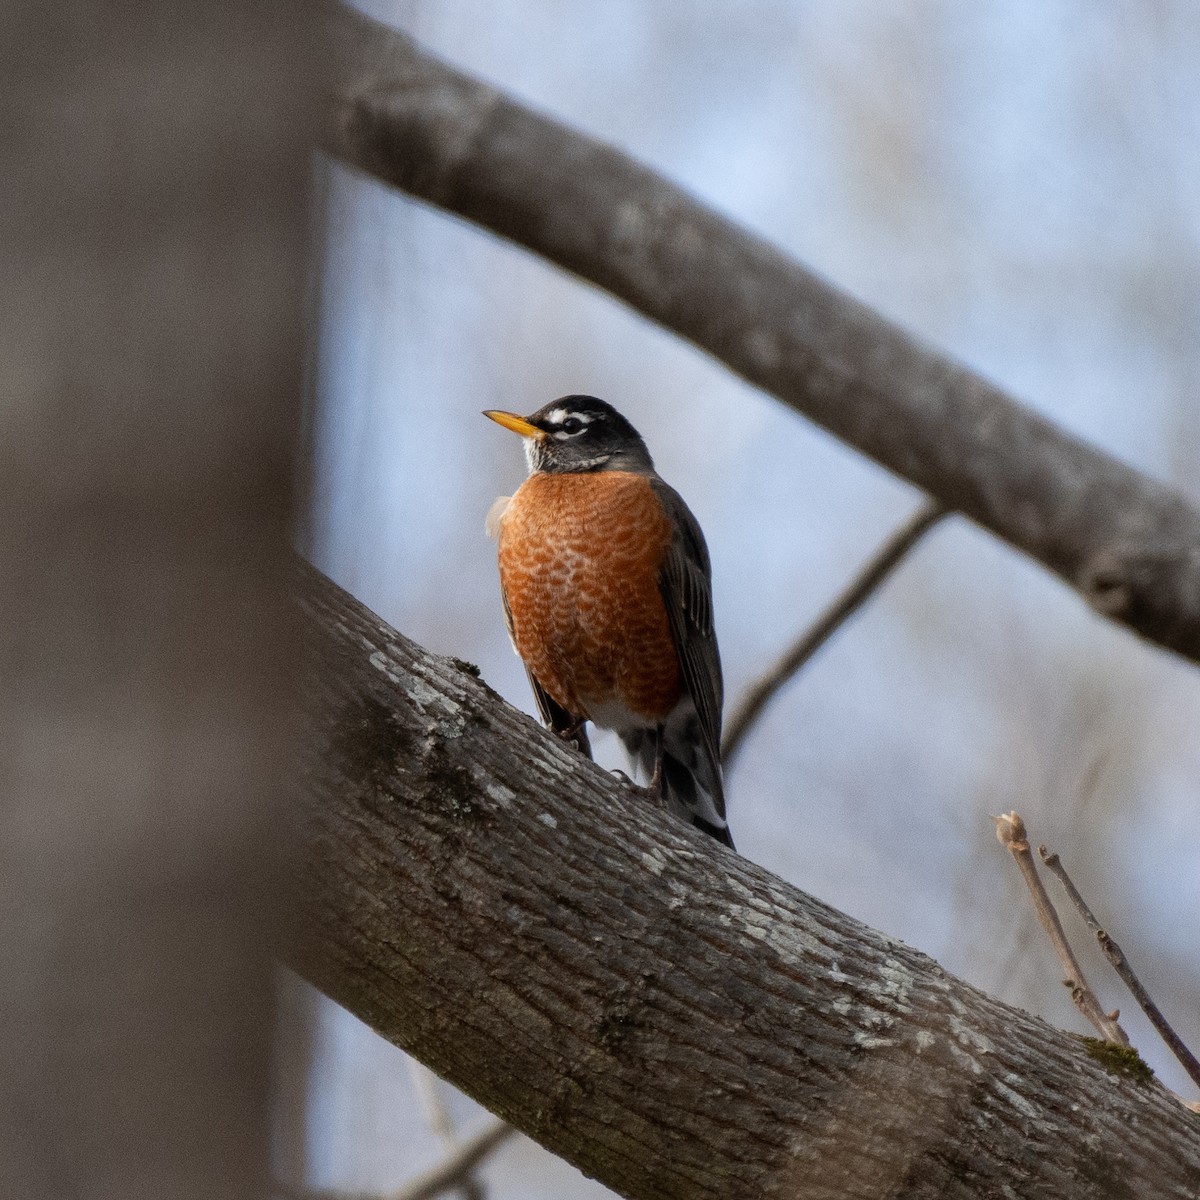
{"points": [[441, 1124], [450, 1173], [1121, 965], [437, 1116], [1010, 830], [459, 1167], [828, 623]]}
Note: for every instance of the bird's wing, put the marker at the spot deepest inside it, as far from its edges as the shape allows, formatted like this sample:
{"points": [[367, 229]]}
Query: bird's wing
{"points": [[685, 582]]}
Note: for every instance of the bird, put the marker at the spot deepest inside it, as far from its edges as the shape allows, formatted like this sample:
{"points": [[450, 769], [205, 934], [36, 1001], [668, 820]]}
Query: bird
{"points": [[606, 584]]}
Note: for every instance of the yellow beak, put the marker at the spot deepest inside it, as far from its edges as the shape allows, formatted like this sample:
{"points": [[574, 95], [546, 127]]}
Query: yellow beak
{"points": [[515, 423]]}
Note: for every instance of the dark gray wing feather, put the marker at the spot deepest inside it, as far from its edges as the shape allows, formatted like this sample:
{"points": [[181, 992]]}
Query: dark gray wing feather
{"points": [[685, 581]]}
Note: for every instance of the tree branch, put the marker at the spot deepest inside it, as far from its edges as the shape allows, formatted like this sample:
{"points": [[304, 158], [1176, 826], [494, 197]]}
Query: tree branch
{"points": [[667, 1016], [456, 1170], [1129, 545], [1122, 966], [843, 607], [1010, 832], [458, 1167]]}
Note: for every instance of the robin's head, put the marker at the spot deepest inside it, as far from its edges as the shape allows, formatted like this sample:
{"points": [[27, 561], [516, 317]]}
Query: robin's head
{"points": [[578, 433]]}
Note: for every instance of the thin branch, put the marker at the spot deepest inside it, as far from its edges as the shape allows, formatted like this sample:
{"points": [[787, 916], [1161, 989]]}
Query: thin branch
{"points": [[828, 623], [1129, 545], [458, 1167], [1010, 831], [441, 1124], [437, 1116], [451, 1173], [669, 1017], [1121, 965]]}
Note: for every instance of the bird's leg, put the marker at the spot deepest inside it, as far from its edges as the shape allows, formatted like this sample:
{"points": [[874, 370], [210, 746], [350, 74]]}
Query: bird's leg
{"points": [[656, 779], [576, 735]]}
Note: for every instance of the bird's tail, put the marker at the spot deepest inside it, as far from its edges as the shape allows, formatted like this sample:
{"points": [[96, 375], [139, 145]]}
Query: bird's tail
{"points": [[690, 777]]}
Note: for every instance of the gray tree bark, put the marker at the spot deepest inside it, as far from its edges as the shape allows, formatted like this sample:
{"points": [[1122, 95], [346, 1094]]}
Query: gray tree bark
{"points": [[155, 162], [665, 1015], [1130, 546]]}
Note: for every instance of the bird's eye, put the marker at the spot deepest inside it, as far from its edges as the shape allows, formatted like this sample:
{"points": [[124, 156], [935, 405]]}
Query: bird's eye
{"points": [[572, 425]]}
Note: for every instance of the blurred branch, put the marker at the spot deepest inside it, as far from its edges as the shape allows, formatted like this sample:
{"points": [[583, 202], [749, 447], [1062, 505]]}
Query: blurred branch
{"points": [[437, 1116], [1010, 831], [827, 624], [454, 1171], [151, 335], [668, 1017], [1121, 965], [438, 1119], [1129, 545], [458, 1168]]}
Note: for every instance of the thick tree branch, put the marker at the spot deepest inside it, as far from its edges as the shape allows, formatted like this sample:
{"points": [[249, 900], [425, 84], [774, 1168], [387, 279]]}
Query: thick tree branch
{"points": [[1128, 544], [667, 1016]]}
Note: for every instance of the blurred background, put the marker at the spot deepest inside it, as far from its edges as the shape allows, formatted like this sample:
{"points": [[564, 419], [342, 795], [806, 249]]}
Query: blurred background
{"points": [[1017, 183]]}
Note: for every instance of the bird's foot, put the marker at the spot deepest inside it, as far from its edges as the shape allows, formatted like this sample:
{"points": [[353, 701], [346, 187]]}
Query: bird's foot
{"points": [[575, 735], [652, 791]]}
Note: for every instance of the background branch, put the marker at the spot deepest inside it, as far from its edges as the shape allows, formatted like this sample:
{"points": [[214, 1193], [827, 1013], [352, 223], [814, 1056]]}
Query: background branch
{"points": [[437, 1117], [151, 337], [455, 1171], [1129, 545], [668, 1017], [827, 624], [458, 1168]]}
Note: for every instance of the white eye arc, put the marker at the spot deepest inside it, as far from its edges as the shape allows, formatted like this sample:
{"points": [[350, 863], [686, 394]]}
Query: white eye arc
{"points": [[566, 424]]}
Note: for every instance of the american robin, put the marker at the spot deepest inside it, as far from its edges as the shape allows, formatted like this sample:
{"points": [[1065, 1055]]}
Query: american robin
{"points": [[607, 593]]}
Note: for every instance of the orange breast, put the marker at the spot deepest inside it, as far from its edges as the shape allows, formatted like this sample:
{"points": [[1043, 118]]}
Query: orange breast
{"points": [[579, 562]]}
